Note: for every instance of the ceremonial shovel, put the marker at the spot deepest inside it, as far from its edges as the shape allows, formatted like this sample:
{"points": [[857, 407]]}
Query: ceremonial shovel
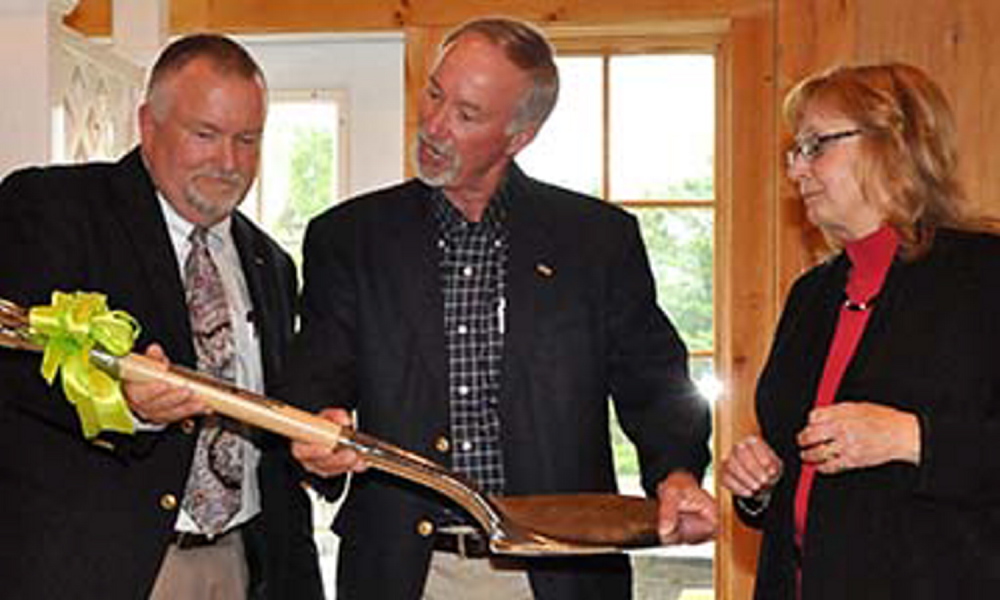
{"points": [[515, 525]]}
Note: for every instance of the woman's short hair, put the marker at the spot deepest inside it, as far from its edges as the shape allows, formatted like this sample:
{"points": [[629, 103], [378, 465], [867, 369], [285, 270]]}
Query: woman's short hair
{"points": [[908, 143]]}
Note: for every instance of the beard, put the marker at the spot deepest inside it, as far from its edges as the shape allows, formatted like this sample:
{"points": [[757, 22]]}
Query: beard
{"points": [[442, 152], [219, 205]]}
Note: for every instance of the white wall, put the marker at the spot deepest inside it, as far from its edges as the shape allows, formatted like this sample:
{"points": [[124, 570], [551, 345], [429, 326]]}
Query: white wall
{"points": [[370, 69], [25, 108]]}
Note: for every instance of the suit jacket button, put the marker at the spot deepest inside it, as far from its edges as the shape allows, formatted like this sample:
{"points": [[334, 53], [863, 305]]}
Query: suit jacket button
{"points": [[425, 527], [442, 444], [168, 502], [188, 426]]}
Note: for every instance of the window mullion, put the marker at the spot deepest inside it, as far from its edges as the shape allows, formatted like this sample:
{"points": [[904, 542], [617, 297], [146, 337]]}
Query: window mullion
{"points": [[606, 126]]}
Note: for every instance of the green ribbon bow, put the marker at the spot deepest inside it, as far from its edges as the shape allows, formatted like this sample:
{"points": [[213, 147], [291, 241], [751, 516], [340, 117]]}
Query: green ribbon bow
{"points": [[69, 329]]}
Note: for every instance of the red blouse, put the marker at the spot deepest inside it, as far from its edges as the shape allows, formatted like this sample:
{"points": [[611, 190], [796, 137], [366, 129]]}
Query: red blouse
{"points": [[870, 259]]}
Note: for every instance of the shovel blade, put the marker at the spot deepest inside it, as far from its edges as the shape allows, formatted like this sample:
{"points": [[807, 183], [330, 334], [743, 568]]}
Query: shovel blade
{"points": [[574, 524]]}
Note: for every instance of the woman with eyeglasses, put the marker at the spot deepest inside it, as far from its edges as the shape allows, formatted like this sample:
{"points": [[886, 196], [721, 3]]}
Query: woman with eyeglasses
{"points": [[877, 474]]}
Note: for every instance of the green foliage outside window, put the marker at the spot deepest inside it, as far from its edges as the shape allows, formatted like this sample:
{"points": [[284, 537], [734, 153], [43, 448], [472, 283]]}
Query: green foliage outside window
{"points": [[679, 243], [310, 188]]}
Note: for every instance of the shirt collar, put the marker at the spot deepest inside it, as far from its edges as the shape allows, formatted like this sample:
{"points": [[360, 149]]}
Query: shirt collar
{"points": [[451, 221], [180, 227], [870, 259], [874, 252]]}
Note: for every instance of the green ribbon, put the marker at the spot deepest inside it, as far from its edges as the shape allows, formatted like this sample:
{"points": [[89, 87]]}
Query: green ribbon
{"points": [[69, 329]]}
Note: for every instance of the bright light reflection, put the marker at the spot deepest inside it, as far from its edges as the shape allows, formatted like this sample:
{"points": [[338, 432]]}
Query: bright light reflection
{"points": [[709, 386]]}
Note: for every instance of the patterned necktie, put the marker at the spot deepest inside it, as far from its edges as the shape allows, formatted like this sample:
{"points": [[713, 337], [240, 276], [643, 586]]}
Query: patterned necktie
{"points": [[213, 493]]}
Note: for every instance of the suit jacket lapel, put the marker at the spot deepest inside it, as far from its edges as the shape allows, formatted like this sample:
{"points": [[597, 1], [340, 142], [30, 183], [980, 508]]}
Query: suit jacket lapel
{"points": [[532, 263], [818, 326], [412, 264], [263, 292], [136, 206]]}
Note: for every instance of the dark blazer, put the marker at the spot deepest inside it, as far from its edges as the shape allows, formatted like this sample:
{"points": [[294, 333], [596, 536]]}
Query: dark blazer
{"points": [[896, 530], [582, 324], [81, 520]]}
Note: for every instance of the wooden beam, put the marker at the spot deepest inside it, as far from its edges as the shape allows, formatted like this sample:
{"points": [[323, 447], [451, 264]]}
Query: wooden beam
{"points": [[93, 17], [421, 52], [746, 239]]}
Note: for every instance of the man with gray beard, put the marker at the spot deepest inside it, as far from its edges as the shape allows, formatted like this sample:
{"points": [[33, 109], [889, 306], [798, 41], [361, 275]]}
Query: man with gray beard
{"points": [[483, 318], [189, 506]]}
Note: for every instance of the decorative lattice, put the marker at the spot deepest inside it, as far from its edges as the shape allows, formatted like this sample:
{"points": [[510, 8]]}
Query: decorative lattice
{"points": [[95, 95]]}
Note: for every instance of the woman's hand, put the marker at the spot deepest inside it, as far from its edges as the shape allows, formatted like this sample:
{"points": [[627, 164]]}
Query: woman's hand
{"points": [[854, 435], [751, 469]]}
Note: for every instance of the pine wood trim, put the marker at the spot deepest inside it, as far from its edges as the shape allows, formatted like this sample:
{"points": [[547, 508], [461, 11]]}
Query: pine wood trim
{"points": [[747, 303], [93, 17]]}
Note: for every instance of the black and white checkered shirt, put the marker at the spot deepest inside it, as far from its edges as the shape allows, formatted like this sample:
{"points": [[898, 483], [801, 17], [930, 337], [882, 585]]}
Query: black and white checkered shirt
{"points": [[473, 262]]}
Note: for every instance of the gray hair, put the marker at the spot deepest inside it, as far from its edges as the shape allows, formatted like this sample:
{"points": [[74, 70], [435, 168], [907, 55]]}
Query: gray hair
{"points": [[226, 56], [525, 46]]}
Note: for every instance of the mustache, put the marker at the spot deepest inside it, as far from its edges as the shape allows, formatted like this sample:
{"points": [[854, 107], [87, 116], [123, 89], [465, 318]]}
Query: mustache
{"points": [[440, 148], [226, 176]]}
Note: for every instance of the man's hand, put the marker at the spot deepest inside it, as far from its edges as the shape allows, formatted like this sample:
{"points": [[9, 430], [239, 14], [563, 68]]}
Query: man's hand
{"points": [[325, 461], [688, 514], [160, 403]]}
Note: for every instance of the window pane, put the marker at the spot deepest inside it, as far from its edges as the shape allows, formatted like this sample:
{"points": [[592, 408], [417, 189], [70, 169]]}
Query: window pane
{"points": [[679, 242], [299, 175], [567, 151], [662, 126]]}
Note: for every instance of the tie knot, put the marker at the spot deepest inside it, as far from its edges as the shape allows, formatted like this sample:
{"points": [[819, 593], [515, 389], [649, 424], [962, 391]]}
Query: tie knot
{"points": [[198, 236]]}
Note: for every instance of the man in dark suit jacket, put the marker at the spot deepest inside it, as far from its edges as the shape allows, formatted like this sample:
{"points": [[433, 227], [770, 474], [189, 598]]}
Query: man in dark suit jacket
{"points": [[96, 519], [483, 318]]}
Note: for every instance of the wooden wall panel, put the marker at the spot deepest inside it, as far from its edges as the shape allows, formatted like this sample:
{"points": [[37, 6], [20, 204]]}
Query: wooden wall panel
{"points": [[956, 43], [813, 35]]}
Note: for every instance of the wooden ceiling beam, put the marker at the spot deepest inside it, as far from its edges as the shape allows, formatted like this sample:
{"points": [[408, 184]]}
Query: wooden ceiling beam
{"points": [[93, 17]]}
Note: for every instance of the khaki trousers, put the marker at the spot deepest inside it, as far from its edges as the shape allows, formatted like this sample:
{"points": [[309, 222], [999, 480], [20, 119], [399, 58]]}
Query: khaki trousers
{"points": [[452, 577], [216, 572]]}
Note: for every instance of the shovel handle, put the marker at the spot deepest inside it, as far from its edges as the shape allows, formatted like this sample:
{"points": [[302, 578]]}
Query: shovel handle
{"points": [[231, 401]]}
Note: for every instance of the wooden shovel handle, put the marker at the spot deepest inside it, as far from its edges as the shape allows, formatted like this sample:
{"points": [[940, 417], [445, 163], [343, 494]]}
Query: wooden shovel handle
{"points": [[278, 417], [231, 401]]}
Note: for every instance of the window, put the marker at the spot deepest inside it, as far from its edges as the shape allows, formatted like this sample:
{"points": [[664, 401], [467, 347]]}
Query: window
{"points": [[302, 167], [638, 129]]}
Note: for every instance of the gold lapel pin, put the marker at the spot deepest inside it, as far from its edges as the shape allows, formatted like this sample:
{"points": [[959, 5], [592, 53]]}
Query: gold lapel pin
{"points": [[544, 270]]}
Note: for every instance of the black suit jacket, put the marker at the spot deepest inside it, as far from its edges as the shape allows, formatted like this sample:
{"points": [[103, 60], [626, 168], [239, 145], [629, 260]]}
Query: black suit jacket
{"points": [[81, 520], [896, 530], [582, 324]]}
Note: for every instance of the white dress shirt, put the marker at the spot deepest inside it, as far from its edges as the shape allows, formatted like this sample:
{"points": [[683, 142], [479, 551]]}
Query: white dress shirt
{"points": [[249, 370]]}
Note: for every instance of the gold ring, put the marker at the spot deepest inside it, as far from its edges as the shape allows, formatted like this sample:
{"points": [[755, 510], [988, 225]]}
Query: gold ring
{"points": [[831, 452]]}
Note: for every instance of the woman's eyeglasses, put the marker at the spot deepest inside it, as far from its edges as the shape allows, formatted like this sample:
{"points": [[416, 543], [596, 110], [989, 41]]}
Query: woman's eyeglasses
{"points": [[810, 147]]}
